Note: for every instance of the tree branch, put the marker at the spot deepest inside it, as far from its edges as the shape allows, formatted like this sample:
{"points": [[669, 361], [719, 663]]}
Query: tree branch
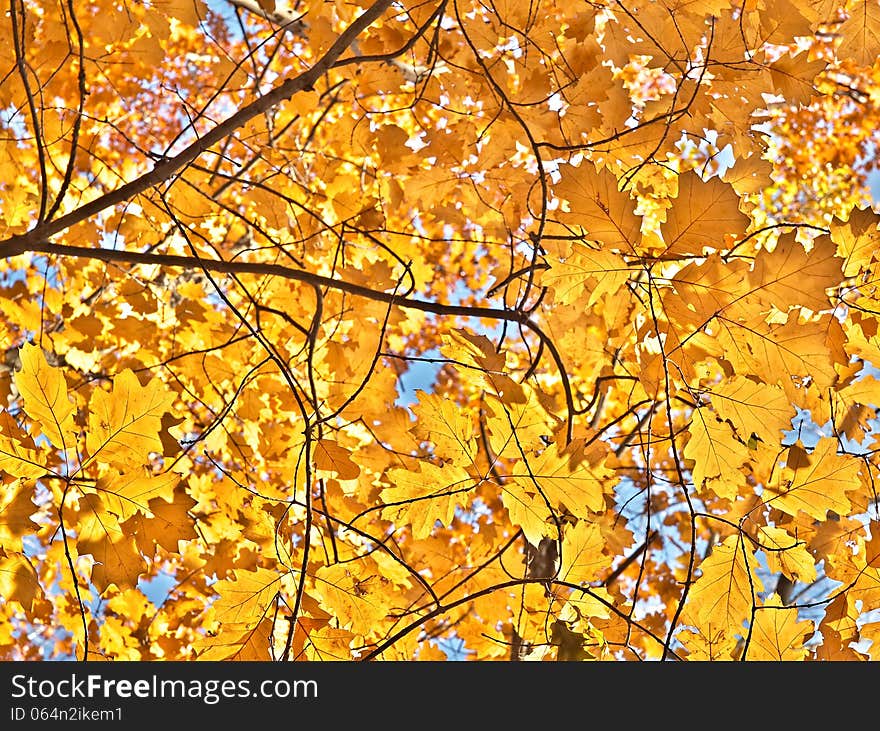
{"points": [[299, 275], [167, 167]]}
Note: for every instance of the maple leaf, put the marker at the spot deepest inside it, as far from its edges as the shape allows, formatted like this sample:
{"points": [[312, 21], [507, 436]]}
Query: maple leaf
{"points": [[863, 571], [706, 289], [787, 555], [232, 642], [245, 599], [724, 593], [329, 643], [857, 240], [124, 423], [516, 427], [818, 486], [16, 508], [352, 595], [427, 496], [791, 274], [581, 270], [117, 560], [333, 458], [528, 510], [605, 213], [18, 455], [168, 523], [704, 213], [781, 354], [478, 350], [443, 423], [46, 401], [777, 634], [712, 644], [582, 557], [717, 458], [18, 460], [574, 477], [860, 33], [753, 408], [19, 581], [126, 494]]}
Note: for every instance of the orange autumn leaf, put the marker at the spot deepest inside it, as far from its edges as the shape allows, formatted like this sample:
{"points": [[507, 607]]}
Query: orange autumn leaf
{"points": [[703, 213], [411, 331]]}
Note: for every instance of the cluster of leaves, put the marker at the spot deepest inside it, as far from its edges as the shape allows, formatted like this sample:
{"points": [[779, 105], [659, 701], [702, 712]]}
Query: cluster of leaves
{"points": [[497, 329]]}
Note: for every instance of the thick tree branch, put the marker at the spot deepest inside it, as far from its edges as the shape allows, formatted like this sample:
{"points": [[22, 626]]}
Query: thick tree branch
{"points": [[299, 275]]}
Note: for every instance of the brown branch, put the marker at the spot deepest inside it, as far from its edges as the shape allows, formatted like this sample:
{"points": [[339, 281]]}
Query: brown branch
{"points": [[18, 44], [277, 270], [77, 123]]}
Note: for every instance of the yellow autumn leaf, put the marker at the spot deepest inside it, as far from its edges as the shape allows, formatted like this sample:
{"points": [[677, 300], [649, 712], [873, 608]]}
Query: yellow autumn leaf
{"points": [[46, 400], [724, 593], [579, 273], [352, 594], [818, 486], [753, 408], [245, 599], [582, 559], [787, 555], [329, 644], [18, 460], [704, 212], [528, 511], [18, 579], [125, 422], [126, 494], [190, 12], [442, 421], [596, 204], [425, 497], [16, 508], [471, 349], [236, 642], [712, 643], [575, 477], [860, 33], [514, 428], [582, 604], [117, 558], [344, 364], [717, 456], [793, 275], [780, 353], [777, 634], [857, 240], [335, 459]]}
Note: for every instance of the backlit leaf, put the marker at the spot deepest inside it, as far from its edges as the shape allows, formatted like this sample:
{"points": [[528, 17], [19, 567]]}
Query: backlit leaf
{"points": [[46, 400], [818, 486], [124, 423], [724, 593], [777, 634]]}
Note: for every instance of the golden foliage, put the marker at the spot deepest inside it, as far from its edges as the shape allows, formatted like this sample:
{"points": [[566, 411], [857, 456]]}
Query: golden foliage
{"points": [[538, 330]]}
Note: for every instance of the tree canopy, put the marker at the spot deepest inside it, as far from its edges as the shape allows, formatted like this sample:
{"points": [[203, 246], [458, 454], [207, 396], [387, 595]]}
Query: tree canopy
{"points": [[496, 329]]}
